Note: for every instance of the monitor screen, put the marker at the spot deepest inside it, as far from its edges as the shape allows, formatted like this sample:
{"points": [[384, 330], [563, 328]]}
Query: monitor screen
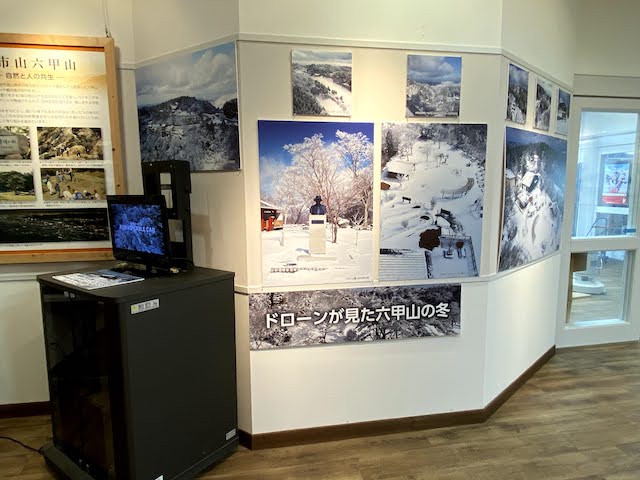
{"points": [[139, 228]]}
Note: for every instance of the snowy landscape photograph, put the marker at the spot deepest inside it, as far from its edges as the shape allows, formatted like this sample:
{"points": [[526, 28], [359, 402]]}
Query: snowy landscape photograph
{"points": [[433, 86], [535, 169], [316, 202], [431, 200], [188, 109], [518, 94], [319, 317], [564, 109], [321, 82], [543, 104]]}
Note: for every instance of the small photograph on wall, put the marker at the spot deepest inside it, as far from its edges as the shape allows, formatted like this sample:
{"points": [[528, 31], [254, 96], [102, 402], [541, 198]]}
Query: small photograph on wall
{"points": [[564, 109], [534, 184], [316, 202], [73, 184], [14, 143], [188, 109], [433, 86], [319, 317], [544, 90], [321, 82], [68, 143], [16, 184], [518, 94], [431, 200], [54, 225]]}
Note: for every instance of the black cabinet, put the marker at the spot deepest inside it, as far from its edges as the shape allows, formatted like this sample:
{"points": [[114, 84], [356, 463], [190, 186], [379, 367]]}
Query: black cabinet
{"points": [[142, 376]]}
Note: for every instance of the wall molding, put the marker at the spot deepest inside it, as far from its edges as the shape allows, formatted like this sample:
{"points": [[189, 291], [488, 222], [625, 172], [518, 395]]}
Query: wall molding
{"points": [[31, 409], [395, 425]]}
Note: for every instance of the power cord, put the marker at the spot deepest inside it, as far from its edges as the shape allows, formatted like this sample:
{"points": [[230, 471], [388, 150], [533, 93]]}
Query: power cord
{"points": [[39, 450]]}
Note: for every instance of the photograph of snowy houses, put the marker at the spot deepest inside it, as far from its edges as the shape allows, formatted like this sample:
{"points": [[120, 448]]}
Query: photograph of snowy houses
{"points": [[431, 200], [543, 104], [316, 188], [188, 109], [517, 94], [433, 86], [535, 168], [564, 109], [317, 317], [321, 82]]}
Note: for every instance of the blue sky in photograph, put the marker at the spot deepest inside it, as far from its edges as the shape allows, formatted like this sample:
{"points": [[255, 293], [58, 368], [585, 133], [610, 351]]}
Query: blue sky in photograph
{"points": [[273, 135], [518, 76], [434, 70], [208, 74]]}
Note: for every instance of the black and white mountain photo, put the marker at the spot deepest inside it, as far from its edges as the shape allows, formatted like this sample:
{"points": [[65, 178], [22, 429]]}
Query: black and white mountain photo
{"points": [[543, 104], [431, 200], [534, 184], [564, 109], [433, 86], [321, 82], [188, 109], [517, 94]]}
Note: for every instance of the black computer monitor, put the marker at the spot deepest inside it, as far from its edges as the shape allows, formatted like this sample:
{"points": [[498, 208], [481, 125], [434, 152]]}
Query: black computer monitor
{"points": [[139, 230]]}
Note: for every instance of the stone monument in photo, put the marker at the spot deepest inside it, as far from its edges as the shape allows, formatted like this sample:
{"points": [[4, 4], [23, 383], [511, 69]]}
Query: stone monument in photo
{"points": [[317, 227]]}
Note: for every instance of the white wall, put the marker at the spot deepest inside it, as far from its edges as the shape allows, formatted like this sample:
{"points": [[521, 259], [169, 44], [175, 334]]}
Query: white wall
{"points": [[521, 322], [166, 26], [454, 22], [608, 38], [543, 33]]}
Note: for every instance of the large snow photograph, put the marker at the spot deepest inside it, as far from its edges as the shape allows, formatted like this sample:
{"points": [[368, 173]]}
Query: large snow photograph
{"points": [[319, 317], [433, 86], [517, 95], [188, 109], [431, 200], [543, 104], [321, 82], [564, 109], [535, 169], [316, 189]]}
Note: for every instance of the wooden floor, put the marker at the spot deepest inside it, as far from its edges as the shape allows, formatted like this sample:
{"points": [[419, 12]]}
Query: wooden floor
{"points": [[578, 418]]}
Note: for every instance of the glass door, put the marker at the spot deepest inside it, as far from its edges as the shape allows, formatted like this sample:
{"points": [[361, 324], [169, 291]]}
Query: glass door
{"points": [[603, 267]]}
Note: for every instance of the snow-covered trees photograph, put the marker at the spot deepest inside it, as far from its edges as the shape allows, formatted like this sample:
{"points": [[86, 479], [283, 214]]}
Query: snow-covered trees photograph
{"points": [[317, 317], [535, 169], [321, 82], [431, 200], [433, 86], [564, 109], [517, 94], [316, 188], [543, 104], [188, 109]]}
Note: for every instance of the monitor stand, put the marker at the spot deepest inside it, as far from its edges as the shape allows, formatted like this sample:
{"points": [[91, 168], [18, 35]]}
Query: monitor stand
{"points": [[141, 270]]}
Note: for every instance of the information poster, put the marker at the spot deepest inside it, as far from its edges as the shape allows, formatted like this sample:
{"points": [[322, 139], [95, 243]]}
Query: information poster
{"points": [[318, 317], [56, 160], [616, 175]]}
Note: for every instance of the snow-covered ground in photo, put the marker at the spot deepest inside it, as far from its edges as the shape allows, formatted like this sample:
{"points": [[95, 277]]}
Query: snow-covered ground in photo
{"points": [[537, 230], [562, 126], [351, 263], [338, 103], [514, 113], [401, 222]]}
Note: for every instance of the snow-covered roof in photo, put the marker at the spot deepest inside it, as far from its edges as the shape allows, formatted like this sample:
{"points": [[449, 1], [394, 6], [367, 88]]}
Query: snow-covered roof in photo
{"points": [[397, 166], [264, 204], [528, 178], [509, 174]]}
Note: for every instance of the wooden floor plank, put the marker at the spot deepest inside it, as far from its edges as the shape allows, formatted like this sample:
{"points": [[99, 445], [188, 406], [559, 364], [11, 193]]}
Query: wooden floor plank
{"points": [[578, 418]]}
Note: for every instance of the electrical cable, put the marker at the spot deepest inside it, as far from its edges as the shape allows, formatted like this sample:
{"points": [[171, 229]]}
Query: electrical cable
{"points": [[39, 450], [105, 15]]}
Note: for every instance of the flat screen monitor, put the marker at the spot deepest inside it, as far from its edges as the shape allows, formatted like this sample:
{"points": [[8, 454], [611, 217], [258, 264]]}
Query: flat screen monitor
{"points": [[139, 229]]}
